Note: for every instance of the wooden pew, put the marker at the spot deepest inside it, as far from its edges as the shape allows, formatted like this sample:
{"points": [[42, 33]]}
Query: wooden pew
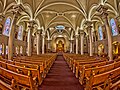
{"points": [[75, 63], [18, 81], [96, 70], [5, 86], [78, 63], [19, 63], [103, 81], [22, 70], [79, 68], [33, 64], [34, 67]]}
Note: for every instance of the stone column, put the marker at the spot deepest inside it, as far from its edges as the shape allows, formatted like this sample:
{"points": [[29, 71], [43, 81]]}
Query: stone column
{"points": [[89, 28], [2, 17], [87, 42], [103, 12], [76, 39], [11, 48], [82, 41], [43, 43], [30, 30], [48, 43], [96, 48], [26, 43], [71, 46], [38, 42], [1, 23]]}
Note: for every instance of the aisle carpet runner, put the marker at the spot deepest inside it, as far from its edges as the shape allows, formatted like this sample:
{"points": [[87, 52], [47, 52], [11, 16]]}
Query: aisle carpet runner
{"points": [[60, 77]]}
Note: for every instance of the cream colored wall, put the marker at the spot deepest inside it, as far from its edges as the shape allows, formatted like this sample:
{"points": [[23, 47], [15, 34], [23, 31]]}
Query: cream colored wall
{"points": [[4, 39]]}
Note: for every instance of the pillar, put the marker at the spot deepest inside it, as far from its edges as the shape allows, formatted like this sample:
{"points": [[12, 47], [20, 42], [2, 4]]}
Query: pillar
{"points": [[30, 30], [103, 12], [11, 48], [82, 41], [71, 46], [29, 43], [1, 22], [38, 42], [43, 43], [89, 28], [25, 46], [48, 44], [76, 39]]}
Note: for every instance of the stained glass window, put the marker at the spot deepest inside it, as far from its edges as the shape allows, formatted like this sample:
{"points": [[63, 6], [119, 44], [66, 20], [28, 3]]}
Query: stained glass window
{"points": [[0, 49], [113, 27], [60, 28], [7, 27], [20, 32], [100, 33]]}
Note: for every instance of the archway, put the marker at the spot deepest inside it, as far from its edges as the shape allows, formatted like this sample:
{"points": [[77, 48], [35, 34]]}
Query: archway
{"points": [[60, 46]]}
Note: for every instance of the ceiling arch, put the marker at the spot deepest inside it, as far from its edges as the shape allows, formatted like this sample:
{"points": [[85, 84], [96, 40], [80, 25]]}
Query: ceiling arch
{"points": [[37, 12]]}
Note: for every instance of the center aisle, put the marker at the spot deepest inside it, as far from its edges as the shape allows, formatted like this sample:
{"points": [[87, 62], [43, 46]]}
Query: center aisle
{"points": [[60, 77]]}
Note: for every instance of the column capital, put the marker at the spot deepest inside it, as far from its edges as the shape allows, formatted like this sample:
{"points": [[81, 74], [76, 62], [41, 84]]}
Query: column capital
{"points": [[17, 9], [102, 9], [88, 23], [31, 25], [77, 35], [49, 40], [81, 32], [2, 17], [38, 32], [71, 40], [117, 18], [43, 35], [16, 28]]}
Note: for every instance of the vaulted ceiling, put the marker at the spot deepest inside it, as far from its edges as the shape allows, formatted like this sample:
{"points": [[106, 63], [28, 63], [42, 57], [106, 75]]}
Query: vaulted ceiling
{"points": [[69, 13]]}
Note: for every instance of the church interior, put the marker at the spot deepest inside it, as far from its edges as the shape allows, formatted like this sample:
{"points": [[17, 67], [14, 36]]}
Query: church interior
{"points": [[59, 44]]}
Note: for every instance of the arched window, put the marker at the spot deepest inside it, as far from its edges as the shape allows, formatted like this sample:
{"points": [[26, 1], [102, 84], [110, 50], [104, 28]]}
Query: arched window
{"points": [[113, 27], [17, 50], [0, 49], [100, 33], [21, 49], [7, 27], [6, 50], [20, 32]]}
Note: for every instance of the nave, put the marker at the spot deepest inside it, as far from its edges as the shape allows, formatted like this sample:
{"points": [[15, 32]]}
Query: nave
{"points": [[32, 32], [60, 77], [59, 71]]}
